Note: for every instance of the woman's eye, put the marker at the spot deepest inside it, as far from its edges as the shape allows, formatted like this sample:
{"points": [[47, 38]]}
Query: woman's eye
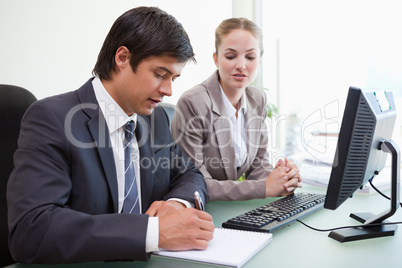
{"points": [[251, 56], [230, 57]]}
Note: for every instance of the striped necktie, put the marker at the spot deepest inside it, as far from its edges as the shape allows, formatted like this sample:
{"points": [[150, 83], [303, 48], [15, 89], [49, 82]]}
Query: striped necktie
{"points": [[131, 204]]}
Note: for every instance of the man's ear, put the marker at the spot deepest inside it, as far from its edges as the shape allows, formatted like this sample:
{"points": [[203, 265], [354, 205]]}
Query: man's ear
{"points": [[122, 57]]}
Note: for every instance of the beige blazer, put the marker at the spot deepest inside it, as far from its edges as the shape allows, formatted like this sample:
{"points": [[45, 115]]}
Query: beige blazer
{"points": [[202, 128]]}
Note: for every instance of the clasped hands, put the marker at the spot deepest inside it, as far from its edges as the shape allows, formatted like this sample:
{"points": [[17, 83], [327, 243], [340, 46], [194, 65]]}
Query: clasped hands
{"points": [[181, 228], [284, 179]]}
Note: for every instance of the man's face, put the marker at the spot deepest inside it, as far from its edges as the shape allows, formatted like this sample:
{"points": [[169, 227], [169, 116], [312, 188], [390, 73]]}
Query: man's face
{"points": [[140, 92]]}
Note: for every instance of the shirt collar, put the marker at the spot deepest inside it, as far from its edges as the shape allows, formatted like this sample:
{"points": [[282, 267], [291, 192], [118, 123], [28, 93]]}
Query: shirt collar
{"points": [[231, 111], [114, 115]]}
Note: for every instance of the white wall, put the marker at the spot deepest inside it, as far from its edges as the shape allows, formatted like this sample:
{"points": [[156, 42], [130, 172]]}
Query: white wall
{"points": [[51, 46]]}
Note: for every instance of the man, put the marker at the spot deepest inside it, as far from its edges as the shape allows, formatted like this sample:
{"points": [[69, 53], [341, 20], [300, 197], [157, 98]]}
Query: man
{"points": [[67, 198]]}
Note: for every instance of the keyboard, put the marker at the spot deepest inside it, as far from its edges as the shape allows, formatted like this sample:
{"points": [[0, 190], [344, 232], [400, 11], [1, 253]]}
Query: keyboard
{"points": [[278, 214]]}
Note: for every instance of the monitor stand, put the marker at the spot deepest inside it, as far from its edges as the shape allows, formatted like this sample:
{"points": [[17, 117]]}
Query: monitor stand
{"points": [[366, 232]]}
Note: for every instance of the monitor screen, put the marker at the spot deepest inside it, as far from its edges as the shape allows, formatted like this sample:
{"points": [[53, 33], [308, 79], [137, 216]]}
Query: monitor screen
{"points": [[368, 119]]}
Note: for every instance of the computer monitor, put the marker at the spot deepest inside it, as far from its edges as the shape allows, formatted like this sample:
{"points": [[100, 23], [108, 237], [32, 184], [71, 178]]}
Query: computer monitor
{"points": [[363, 145]]}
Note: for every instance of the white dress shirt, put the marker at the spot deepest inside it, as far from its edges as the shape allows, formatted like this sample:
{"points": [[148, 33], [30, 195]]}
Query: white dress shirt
{"points": [[237, 127], [116, 118]]}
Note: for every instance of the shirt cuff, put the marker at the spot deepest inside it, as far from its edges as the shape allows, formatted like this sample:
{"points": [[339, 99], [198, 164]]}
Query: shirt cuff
{"points": [[152, 237]]}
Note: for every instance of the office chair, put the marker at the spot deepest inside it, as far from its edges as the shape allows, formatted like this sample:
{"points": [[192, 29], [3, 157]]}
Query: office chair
{"points": [[14, 101], [169, 109]]}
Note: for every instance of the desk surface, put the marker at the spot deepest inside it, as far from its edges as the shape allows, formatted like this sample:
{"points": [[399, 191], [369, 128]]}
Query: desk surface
{"points": [[296, 245]]}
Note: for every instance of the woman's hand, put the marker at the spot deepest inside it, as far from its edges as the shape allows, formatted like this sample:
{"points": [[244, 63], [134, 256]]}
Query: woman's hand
{"points": [[284, 179]]}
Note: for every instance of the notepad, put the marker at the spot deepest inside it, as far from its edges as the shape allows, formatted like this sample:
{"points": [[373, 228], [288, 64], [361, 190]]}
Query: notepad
{"points": [[229, 247]]}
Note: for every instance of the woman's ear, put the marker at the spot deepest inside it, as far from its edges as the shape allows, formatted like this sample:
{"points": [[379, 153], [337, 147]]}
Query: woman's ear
{"points": [[216, 59]]}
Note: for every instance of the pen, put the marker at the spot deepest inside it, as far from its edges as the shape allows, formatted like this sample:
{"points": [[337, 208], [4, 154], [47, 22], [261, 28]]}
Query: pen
{"points": [[198, 201]]}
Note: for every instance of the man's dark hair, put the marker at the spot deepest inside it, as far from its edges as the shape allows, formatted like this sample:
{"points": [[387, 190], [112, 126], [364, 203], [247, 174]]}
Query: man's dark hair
{"points": [[146, 32]]}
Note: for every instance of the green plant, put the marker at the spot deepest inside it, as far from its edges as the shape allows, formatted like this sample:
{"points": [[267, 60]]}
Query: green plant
{"points": [[242, 178], [271, 109]]}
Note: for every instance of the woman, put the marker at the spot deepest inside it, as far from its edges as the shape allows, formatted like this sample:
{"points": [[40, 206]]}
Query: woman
{"points": [[221, 122]]}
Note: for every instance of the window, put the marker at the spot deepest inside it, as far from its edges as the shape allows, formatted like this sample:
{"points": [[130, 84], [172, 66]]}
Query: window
{"points": [[315, 50]]}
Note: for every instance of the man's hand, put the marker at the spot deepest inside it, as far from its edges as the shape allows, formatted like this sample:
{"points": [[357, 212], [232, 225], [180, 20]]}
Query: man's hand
{"points": [[182, 229], [159, 208]]}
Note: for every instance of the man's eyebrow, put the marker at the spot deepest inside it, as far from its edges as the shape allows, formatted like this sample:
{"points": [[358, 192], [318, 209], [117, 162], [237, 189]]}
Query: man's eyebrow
{"points": [[167, 70]]}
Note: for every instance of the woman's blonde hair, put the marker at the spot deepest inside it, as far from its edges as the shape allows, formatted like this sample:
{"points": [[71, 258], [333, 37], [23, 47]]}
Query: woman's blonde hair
{"points": [[228, 25]]}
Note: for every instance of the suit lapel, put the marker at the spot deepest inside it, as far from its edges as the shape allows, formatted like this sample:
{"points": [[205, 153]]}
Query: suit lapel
{"points": [[253, 127], [221, 127], [225, 142], [100, 133]]}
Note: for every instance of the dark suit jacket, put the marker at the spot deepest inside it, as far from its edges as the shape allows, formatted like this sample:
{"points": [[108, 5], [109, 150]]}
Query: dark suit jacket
{"points": [[62, 194]]}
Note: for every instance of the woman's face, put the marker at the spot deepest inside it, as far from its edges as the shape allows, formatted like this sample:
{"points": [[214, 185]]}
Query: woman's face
{"points": [[237, 59]]}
